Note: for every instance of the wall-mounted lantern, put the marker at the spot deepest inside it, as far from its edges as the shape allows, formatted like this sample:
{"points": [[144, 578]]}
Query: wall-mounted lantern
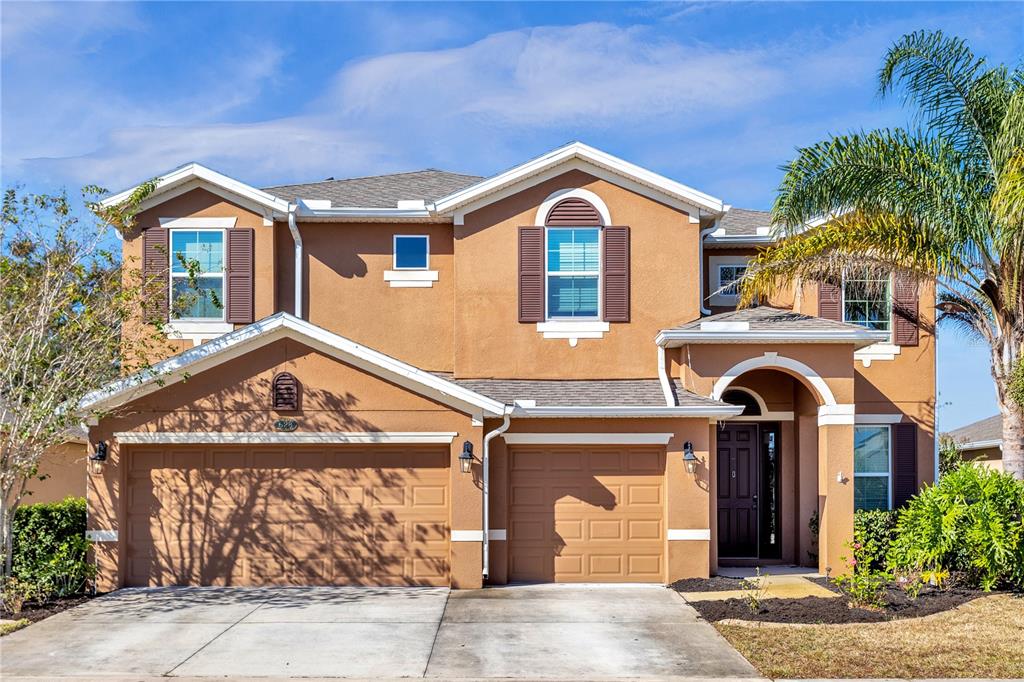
{"points": [[98, 457], [689, 459], [466, 457]]}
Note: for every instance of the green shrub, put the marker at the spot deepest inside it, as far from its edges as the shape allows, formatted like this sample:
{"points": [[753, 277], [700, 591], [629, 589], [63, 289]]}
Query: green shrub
{"points": [[864, 585], [971, 522], [875, 530], [50, 550]]}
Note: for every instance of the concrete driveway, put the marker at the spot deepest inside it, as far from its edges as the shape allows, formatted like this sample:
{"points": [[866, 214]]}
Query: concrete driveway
{"points": [[550, 631]]}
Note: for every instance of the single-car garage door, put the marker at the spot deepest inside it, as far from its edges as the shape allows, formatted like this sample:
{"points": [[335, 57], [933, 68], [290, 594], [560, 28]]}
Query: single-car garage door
{"points": [[255, 515], [586, 514]]}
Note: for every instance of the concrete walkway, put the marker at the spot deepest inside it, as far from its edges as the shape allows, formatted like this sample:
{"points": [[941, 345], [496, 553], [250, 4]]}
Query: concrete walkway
{"points": [[554, 632], [772, 587]]}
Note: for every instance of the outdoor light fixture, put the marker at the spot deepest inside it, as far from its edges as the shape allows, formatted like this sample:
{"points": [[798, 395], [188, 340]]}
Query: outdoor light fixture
{"points": [[466, 458], [98, 458], [689, 459]]}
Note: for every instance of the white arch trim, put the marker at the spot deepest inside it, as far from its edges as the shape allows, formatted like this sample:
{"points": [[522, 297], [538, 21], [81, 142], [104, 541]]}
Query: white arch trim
{"points": [[766, 414], [572, 192], [761, 404], [769, 360]]}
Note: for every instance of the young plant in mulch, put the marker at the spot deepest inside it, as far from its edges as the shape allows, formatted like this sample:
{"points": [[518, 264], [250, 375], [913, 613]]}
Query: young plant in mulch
{"points": [[865, 585], [755, 590]]}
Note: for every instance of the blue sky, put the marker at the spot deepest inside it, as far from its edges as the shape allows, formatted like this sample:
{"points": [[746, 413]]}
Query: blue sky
{"points": [[715, 95]]}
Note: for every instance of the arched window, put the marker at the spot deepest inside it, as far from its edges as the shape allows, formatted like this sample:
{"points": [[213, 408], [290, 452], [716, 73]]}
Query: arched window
{"points": [[573, 212], [284, 392], [749, 403]]}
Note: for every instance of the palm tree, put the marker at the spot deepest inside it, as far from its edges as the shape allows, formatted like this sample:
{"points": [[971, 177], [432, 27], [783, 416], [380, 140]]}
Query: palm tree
{"points": [[940, 201]]}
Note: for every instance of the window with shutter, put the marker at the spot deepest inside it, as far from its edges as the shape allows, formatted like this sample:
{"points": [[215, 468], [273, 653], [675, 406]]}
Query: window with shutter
{"points": [[872, 458], [904, 460], [531, 274], [285, 392], [615, 271], [830, 301], [905, 311], [155, 261]]}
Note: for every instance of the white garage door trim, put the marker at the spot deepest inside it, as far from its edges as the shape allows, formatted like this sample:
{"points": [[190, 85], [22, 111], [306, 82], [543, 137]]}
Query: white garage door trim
{"points": [[274, 437], [587, 438]]}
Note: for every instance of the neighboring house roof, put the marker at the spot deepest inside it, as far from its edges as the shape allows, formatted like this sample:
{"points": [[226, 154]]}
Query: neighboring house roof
{"points": [[984, 433], [379, 191], [766, 324], [458, 394], [744, 222]]}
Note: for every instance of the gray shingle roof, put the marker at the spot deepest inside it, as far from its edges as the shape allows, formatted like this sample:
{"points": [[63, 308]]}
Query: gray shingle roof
{"points": [[584, 392], [772, 319], [990, 428], [379, 191], [744, 221]]}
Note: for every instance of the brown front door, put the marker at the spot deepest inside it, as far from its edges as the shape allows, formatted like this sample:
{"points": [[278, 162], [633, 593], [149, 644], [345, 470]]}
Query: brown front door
{"points": [[737, 490], [299, 515], [589, 513]]}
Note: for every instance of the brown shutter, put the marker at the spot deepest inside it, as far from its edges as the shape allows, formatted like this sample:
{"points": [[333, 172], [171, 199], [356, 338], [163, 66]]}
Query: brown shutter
{"points": [[239, 292], [830, 301], [531, 274], [573, 212], [904, 463], [615, 271], [155, 265], [905, 310], [284, 393]]}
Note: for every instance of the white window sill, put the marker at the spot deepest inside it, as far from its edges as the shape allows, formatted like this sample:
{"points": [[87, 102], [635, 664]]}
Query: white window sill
{"points": [[197, 331], [403, 279], [877, 351], [572, 330]]}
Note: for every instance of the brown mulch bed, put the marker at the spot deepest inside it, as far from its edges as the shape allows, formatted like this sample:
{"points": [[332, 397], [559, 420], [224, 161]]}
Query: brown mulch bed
{"points": [[814, 610], [715, 583], [34, 612]]}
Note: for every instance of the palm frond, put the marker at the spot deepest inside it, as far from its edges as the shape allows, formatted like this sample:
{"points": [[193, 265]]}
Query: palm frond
{"points": [[968, 315]]}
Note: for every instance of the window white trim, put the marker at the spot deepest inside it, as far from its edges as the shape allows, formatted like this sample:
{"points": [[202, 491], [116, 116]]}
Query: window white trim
{"points": [[889, 331], [868, 419], [587, 438], [875, 474], [541, 219], [394, 251], [583, 273], [197, 222], [257, 437], [877, 351], [398, 279], [223, 275]]}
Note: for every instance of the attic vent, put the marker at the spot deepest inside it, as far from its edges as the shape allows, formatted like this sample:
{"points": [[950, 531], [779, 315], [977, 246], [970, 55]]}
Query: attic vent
{"points": [[573, 212], [284, 392]]}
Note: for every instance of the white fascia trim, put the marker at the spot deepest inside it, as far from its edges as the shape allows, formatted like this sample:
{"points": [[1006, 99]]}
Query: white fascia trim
{"points": [[467, 536], [672, 338], [195, 171], [630, 411], [689, 534], [179, 328], [878, 418], [398, 279], [587, 438], [105, 535], [982, 444], [198, 222], [278, 326], [739, 240], [257, 437], [577, 151], [836, 414]]}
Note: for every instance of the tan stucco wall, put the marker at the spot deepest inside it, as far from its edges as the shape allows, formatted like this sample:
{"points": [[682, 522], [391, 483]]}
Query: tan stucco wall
{"points": [[490, 341], [63, 470], [235, 397], [345, 290]]}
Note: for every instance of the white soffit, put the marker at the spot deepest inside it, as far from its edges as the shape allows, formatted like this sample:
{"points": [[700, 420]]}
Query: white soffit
{"points": [[276, 437]]}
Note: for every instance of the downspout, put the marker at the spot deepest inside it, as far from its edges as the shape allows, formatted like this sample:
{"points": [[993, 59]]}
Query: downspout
{"points": [[704, 310], [293, 227], [663, 378], [485, 463]]}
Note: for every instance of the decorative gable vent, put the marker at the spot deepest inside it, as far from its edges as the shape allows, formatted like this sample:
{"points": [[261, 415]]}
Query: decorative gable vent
{"points": [[284, 392], [573, 212]]}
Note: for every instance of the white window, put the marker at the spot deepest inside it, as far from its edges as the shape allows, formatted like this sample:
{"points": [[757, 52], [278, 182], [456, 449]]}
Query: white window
{"points": [[867, 302], [573, 273], [204, 301], [412, 252], [728, 275], [872, 458]]}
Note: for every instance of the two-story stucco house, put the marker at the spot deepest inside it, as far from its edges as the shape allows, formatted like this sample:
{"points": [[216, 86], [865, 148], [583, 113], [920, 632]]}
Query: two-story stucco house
{"points": [[440, 379]]}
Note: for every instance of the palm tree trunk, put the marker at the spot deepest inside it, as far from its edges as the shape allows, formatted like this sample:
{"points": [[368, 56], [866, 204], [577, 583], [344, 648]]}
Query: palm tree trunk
{"points": [[1013, 438]]}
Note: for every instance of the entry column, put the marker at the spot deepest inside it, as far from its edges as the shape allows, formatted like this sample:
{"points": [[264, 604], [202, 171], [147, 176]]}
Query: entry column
{"points": [[687, 517], [835, 486], [467, 515]]}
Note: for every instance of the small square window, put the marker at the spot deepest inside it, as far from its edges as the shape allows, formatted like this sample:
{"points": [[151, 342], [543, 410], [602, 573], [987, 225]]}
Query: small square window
{"points": [[412, 252], [728, 275]]}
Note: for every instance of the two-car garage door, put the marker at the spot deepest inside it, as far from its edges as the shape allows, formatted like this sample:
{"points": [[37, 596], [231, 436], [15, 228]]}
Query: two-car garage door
{"points": [[252, 515]]}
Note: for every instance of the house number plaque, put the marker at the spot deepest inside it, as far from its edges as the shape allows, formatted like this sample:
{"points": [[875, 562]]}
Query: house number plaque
{"points": [[286, 425]]}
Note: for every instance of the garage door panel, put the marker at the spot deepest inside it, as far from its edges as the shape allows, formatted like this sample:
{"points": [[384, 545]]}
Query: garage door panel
{"points": [[586, 514], [291, 523]]}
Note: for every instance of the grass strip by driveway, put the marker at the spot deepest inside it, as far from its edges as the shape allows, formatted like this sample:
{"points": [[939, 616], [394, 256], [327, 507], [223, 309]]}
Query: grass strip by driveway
{"points": [[979, 639], [9, 626]]}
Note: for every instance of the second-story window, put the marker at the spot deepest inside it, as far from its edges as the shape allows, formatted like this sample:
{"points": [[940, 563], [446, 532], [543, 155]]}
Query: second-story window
{"points": [[867, 302], [204, 248], [412, 252], [728, 275], [573, 272]]}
